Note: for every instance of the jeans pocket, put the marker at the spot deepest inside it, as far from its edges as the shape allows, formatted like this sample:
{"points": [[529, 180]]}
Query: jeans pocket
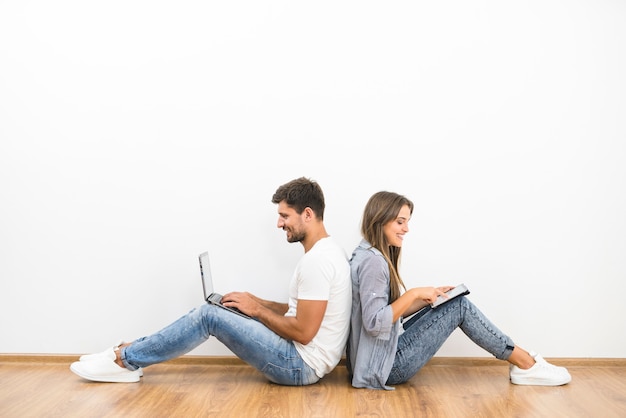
{"points": [[282, 376]]}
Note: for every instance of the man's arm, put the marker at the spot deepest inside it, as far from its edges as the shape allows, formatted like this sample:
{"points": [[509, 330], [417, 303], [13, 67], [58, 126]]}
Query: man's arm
{"points": [[301, 328], [279, 308]]}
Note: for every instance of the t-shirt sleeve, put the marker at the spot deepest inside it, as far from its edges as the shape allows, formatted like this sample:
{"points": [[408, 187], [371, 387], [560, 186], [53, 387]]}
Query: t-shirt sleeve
{"points": [[314, 278]]}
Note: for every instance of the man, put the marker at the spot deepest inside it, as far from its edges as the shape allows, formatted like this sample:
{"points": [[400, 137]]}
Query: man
{"points": [[294, 343]]}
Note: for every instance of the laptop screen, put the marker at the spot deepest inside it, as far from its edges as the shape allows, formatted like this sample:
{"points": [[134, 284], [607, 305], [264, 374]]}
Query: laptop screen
{"points": [[205, 273]]}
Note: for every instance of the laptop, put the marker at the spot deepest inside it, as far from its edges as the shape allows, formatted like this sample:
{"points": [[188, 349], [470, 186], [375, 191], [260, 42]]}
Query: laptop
{"points": [[207, 286]]}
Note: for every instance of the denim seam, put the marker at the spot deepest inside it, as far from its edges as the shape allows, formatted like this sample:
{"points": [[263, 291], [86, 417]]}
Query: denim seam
{"points": [[502, 338]]}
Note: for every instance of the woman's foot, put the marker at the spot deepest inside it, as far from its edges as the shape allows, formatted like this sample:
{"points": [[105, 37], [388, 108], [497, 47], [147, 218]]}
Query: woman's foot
{"points": [[541, 373]]}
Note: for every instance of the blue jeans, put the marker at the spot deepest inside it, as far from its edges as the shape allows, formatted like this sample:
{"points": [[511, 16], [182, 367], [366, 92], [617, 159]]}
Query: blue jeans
{"points": [[257, 345], [427, 330]]}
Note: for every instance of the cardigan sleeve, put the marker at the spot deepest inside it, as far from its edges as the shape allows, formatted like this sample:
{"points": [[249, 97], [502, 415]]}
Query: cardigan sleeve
{"points": [[374, 294]]}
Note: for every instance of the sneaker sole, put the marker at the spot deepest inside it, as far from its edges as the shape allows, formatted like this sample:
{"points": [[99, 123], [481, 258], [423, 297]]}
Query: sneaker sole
{"points": [[93, 358], [129, 378], [540, 382]]}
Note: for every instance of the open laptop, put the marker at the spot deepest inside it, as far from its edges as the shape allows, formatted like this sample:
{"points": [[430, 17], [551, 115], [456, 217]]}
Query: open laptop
{"points": [[207, 286]]}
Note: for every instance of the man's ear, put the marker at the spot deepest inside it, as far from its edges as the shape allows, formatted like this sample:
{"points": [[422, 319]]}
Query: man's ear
{"points": [[308, 213]]}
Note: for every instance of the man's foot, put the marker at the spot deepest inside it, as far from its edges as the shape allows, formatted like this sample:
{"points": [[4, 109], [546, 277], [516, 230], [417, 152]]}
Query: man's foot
{"points": [[104, 370], [541, 373], [108, 353]]}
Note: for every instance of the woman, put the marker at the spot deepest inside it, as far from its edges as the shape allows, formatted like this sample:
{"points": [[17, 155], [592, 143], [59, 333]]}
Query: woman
{"points": [[384, 351]]}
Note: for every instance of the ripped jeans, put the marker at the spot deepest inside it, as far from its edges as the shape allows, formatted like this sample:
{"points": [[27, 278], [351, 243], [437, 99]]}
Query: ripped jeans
{"points": [[257, 345], [428, 329]]}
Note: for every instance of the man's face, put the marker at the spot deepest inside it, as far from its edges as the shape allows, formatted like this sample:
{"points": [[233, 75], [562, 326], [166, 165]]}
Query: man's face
{"points": [[290, 222]]}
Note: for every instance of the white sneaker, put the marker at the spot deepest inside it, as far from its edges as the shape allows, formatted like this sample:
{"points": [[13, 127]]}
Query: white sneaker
{"points": [[104, 370], [108, 354], [541, 374]]}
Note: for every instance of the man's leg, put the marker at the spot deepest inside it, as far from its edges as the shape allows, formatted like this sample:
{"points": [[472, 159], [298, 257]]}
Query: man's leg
{"points": [[276, 357]]}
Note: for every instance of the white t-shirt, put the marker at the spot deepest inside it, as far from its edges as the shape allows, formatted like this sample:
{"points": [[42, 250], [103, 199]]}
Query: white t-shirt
{"points": [[323, 273]]}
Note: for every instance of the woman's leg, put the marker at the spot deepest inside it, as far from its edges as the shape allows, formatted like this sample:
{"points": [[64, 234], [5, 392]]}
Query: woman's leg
{"points": [[521, 358], [426, 332]]}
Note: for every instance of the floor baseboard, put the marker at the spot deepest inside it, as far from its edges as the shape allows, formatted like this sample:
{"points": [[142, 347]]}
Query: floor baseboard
{"points": [[235, 361]]}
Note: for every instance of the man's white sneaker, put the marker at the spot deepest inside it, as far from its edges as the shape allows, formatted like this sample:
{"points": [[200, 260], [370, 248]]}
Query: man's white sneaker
{"points": [[104, 370], [108, 354], [541, 374]]}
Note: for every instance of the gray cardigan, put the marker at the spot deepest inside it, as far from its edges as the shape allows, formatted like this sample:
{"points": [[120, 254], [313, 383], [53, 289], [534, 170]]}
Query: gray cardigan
{"points": [[373, 336]]}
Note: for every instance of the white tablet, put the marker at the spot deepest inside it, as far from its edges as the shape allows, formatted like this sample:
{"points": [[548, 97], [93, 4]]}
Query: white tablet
{"points": [[452, 293]]}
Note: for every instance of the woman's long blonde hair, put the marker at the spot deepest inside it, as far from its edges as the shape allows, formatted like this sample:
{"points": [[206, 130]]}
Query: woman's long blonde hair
{"points": [[381, 208]]}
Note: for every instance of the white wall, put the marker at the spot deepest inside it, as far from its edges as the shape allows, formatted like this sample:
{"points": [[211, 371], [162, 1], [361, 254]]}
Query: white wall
{"points": [[136, 134]]}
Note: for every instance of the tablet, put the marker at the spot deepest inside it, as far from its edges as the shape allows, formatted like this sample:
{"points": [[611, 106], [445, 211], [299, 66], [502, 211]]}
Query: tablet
{"points": [[452, 293]]}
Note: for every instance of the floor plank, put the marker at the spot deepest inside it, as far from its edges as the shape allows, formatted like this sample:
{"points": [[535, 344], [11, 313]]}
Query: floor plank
{"points": [[194, 389]]}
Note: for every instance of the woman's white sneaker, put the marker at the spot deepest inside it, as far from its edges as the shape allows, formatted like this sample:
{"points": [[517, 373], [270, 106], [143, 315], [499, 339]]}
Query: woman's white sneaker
{"points": [[541, 373]]}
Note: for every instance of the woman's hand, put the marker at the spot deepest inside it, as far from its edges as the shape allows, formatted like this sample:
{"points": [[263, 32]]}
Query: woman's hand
{"points": [[428, 294], [415, 299], [445, 289]]}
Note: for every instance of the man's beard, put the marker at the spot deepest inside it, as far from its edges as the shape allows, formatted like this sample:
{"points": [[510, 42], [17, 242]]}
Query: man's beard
{"points": [[295, 236]]}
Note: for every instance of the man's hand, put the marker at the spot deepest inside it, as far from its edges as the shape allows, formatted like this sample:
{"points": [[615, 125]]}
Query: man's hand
{"points": [[245, 302], [301, 328]]}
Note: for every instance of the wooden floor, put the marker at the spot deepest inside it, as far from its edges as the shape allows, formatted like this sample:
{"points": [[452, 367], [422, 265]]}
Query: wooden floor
{"points": [[201, 387]]}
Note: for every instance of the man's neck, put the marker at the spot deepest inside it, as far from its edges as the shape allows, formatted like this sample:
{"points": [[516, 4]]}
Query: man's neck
{"points": [[312, 238]]}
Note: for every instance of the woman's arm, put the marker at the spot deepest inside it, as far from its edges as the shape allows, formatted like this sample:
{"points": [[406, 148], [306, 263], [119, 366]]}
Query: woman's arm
{"points": [[415, 299], [373, 278]]}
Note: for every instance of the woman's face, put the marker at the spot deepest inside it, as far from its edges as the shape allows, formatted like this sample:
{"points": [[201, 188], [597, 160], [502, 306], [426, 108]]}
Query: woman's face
{"points": [[395, 229]]}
